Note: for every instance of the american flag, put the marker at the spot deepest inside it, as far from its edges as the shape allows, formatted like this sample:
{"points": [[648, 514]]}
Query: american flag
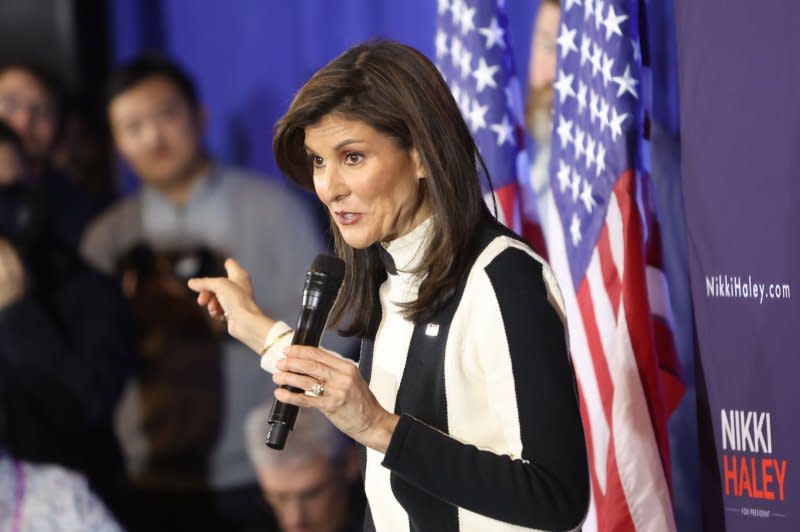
{"points": [[603, 245], [473, 53]]}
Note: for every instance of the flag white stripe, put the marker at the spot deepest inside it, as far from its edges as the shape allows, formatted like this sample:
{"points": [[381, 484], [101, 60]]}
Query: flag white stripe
{"points": [[616, 236], [605, 316], [658, 294], [638, 459]]}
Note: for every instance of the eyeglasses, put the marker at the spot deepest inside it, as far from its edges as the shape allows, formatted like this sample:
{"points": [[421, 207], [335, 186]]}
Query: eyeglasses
{"points": [[11, 104]]}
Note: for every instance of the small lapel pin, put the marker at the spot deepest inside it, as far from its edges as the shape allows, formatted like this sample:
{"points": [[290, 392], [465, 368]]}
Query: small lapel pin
{"points": [[432, 329]]}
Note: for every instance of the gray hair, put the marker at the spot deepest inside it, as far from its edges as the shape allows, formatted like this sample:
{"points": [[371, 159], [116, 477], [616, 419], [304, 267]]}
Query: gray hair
{"points": [[313, 437]]}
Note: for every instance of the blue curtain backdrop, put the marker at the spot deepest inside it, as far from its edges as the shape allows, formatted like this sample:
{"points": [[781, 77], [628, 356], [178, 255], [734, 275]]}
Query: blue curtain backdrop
{"points": [[250, 56]]}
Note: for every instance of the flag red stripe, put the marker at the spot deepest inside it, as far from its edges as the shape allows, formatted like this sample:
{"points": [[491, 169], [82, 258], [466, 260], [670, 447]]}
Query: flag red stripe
{"points": [[507, 198], [532, 233], [616, 515], [671, 373], [599, 361], [654, 253], [638, 316]]}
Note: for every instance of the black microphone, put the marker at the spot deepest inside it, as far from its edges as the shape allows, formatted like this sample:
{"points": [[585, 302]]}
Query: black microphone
{"points": [[323, 281]]}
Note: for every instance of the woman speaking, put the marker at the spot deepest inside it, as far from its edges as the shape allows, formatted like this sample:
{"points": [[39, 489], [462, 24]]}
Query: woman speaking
{"points": [[464, 398]]}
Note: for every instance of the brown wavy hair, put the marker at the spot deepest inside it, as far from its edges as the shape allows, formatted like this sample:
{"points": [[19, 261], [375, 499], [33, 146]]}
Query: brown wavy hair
{"points": [[397, 91]]}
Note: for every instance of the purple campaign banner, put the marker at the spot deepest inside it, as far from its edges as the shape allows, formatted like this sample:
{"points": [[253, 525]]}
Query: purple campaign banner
{"points": [[739, 75]]}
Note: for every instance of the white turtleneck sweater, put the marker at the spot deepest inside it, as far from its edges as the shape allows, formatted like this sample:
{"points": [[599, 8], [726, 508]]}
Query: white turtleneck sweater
{"points": [[490, 435]]}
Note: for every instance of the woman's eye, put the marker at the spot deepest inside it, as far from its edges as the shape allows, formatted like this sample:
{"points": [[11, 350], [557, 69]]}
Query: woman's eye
{"points": [[167, 111], [317, 161], [354, 158]]}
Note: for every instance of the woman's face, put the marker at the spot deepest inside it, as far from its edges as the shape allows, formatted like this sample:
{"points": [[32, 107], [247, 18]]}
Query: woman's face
{"points": [[370, 186]]}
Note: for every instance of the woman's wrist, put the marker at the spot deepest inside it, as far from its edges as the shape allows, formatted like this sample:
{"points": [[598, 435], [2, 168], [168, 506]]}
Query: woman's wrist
{"points": [[379, 435], [251, 329]]}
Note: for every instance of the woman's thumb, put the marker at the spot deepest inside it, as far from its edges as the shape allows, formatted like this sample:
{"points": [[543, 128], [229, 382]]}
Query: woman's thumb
{"points": [[237, 274]]}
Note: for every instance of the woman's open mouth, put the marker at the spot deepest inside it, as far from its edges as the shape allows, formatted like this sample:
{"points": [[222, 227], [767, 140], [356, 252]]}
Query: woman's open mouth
{"points": [[348, 218]]}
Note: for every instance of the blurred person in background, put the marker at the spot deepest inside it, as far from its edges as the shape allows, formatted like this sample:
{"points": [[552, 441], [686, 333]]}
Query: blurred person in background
{"points": [[32, 102], [48, 497], [181, 419], [314, 484], [84, 152], [12, 157], [539, 101], [65, 352]]}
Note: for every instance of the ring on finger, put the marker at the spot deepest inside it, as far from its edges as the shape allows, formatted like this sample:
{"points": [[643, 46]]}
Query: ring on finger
{"points": [[316, 390]]}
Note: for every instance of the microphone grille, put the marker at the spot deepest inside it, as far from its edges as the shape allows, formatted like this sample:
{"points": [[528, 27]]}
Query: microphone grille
{"points": [[332, 266]]}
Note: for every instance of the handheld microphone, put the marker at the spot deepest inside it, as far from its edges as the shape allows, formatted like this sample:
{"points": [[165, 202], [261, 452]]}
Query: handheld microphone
{"points": [[323, 281]]}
